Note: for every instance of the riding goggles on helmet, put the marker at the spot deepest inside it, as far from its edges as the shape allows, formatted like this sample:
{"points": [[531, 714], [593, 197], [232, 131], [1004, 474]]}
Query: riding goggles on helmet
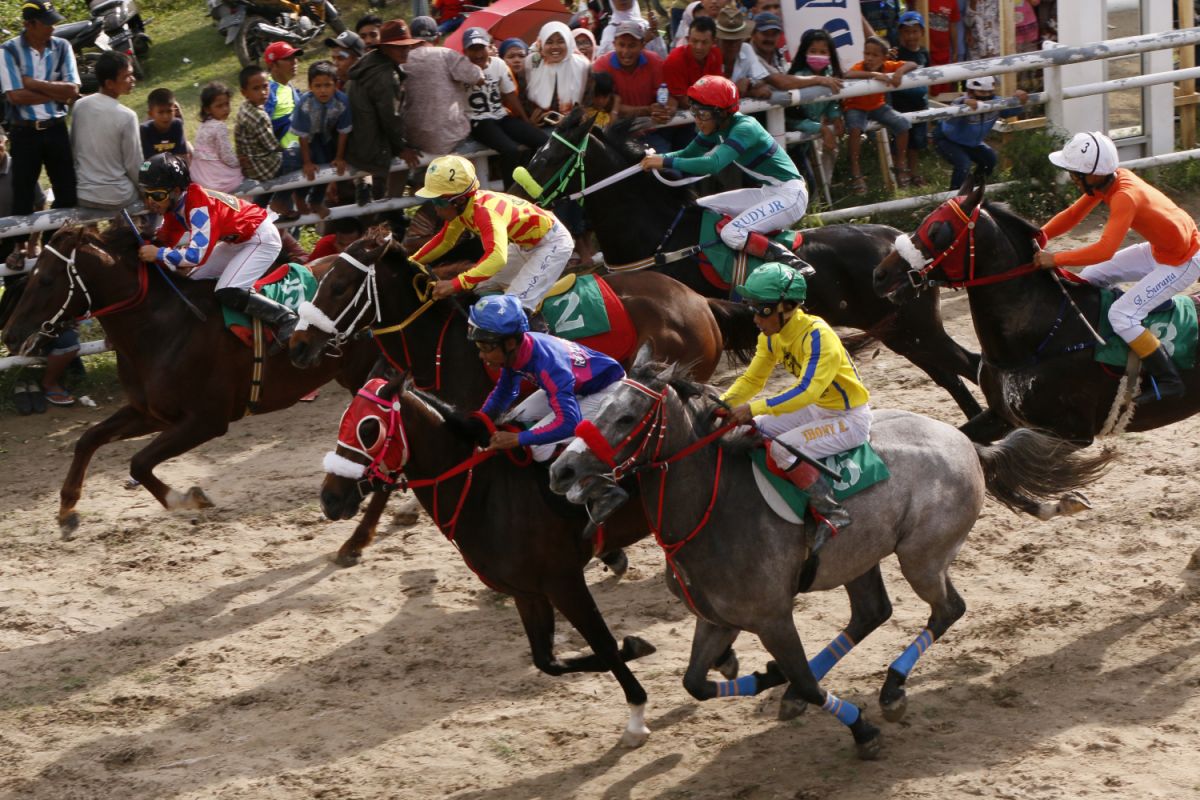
{"points": [[762, 309], [157, 195]]}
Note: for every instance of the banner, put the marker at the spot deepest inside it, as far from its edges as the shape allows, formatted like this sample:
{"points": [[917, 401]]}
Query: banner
{"points": [[841, 18]]}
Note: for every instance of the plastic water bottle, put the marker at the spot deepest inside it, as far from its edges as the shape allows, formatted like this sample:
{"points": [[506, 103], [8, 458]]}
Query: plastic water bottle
{"points": [[662, 97]]}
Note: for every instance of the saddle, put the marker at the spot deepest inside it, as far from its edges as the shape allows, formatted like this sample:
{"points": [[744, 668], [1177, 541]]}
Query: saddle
{"points": [[860, 468], [1173, 322], [289, 284], [724, 268]]}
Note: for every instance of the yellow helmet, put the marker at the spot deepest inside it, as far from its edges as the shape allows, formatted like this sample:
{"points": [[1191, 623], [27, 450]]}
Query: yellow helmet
{"points": [[449, 176]]}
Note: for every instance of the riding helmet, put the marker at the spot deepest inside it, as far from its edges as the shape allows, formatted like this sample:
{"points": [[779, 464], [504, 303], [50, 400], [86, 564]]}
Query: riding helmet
{"points": [[1089, 154], [449, 176], [164, 171], [715, 91], [773, 282], [495, 318]]}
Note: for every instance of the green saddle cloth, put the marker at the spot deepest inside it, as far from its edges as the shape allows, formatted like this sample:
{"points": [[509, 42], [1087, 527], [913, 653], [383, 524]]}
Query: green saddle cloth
{"points": [[579, 312], [291, 290], [860, 467], [1175, 327], [720, 256]]}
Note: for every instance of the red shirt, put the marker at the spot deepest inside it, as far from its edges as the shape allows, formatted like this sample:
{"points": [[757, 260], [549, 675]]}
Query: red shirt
{"points": [[636, 88], [325, 246], [680, 70], [942, 15]]}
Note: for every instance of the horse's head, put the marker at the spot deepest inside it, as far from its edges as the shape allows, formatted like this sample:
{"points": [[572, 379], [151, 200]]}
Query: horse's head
{"points": [[75, 275], [346, 300], [557, 168]]}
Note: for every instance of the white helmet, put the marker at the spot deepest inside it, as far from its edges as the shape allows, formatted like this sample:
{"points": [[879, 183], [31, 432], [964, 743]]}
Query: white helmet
{"points": [[984, 83], [1089, 153]]}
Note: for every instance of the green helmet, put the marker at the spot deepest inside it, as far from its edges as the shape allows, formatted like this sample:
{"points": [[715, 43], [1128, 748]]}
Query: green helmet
{"points": [[772, 282]]}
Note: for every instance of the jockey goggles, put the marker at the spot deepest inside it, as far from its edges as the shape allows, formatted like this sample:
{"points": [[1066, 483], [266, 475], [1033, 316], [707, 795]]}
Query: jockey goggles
{"points": [[761, 309], [157, 195]]}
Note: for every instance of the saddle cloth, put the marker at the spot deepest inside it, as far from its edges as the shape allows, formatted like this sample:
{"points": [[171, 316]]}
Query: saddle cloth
{"points": [[1174, 323], [860, 467], [718, 262], [585, 309], [290, 284]]}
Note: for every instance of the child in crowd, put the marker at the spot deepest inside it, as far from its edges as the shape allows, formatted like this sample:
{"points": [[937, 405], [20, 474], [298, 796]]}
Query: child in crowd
{"points": [[214, 164], [817, 56], [282, 98], [513, 51], [943, 37], [163, 132], [253, 138], [606, 103], [912, 33], [322, 121], [959, 140], [876, 65]]}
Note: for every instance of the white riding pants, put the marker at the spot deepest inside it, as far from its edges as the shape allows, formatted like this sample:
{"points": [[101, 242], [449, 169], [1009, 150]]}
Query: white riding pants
{"points": [[530, 273], [1155, 283], [238, 266], [762, 210], [535, 411], [817, 432]]}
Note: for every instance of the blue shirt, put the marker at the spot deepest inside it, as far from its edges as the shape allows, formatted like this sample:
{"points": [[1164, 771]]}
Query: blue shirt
{"points": [[565, 371], [970, 131], [281, 111], [322, 122], [55, 63]]}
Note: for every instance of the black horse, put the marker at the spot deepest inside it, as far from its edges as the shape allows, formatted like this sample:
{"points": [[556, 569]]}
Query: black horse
{"points": [[1039, 368], [633, 219]]}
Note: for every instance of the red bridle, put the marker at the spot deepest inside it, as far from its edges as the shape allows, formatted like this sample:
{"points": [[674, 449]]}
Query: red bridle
{"points": [[962, 274], [388, 450]]}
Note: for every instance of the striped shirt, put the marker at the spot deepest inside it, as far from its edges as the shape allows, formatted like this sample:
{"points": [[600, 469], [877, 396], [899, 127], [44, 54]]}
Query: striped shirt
{"points": [[55, 63], [497, 219]]}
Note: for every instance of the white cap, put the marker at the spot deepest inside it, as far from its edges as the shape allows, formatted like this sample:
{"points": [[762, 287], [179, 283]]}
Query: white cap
{"points": [[984, 83], [1089, 153]]}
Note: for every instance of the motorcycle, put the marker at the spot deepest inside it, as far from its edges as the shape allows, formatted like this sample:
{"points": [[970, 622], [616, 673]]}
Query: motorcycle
{"points": [[251, 25], [115, 25]]}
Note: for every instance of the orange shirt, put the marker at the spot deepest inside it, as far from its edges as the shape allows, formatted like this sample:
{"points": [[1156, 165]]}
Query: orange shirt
{"points": [[870, 102], [1132, 203]]}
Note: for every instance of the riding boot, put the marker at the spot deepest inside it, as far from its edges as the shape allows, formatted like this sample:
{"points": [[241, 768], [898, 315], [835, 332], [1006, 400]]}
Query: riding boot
{"points": [[1165, 381], [759, 246], [278, 316], [537, 323], [832, 517]]}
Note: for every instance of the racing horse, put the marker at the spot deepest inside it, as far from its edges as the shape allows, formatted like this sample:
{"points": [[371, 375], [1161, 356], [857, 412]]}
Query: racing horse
{"points": [[1038, 367], [638, 217], [185, 379], [739, 565]]}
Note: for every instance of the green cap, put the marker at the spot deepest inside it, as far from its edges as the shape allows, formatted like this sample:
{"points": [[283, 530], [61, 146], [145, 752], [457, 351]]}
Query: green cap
{"points": [[774, 281]]}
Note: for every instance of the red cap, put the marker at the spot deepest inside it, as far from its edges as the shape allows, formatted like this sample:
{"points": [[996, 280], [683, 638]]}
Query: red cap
{"points": [[277, 51]]}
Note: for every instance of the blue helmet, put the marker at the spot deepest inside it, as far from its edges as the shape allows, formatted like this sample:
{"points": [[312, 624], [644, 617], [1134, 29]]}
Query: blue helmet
{"points": [[497, 317]]}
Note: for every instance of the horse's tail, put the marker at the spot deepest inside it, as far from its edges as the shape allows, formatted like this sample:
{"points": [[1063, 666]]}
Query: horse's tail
{"points": [[738, 331], [1027, 467]]}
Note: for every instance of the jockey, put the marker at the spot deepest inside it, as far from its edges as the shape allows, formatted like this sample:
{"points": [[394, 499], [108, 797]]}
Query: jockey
{"points": [[210, 234], [1165, 264], [524, 247], [824, 413], [729, 137], [572, 380]]}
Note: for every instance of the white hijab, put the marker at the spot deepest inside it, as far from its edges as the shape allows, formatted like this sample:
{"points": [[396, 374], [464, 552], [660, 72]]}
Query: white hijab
{"points": [[569, 76]]}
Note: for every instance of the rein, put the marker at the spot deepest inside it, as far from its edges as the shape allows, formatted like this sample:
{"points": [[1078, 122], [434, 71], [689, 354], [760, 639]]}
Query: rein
{"points": [[75, 279], [965, 231]]}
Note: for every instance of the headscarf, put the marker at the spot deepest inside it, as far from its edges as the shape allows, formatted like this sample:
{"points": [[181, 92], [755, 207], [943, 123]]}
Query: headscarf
{"points": [[509, 44], [685, 23], [569, 76], [588, 34]]}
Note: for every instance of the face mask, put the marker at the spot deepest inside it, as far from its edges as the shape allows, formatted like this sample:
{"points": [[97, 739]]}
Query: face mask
{"points": [[817, 63]]}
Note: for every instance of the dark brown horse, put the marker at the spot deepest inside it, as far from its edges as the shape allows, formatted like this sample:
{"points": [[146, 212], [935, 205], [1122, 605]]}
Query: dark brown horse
{"points": [[184, 379], [1038, 367]]}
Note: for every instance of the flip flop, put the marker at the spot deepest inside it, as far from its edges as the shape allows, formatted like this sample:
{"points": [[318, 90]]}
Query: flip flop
{"points": [[60, 397], [36, 397], [22, 400]]}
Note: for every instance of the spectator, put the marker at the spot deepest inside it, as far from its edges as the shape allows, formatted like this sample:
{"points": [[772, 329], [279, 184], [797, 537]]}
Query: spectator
{"points": [[282, 98], [691, 61], [8, 245], [322, 121], [104, 139], [162, 132], [771, 7], [1027, 40], [346, 49], [628, 11], [376, 91], [253, 137], [450, 15], [983, 29], [606, 103], [436, 107], [369, 28], [557, 75], [817, 60], [880, 18], [740, 63], [960, 140], [498, 120], [637, 74], [343, 232], [676, 9], [875, 65], [765, 41], [912, 35], [943, 36], [214, 163], [37, 108], [700, 8], [585, 44]]}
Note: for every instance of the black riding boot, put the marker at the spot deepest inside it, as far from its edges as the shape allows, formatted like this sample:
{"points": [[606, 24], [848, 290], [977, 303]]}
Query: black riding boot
{"points": [[758, 245], [279, 317], [820, 500], [1164, 378]]}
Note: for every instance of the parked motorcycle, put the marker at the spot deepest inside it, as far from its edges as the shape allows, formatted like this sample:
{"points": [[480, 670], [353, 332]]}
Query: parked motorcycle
{"points": [[115, 25], [251, 25]]}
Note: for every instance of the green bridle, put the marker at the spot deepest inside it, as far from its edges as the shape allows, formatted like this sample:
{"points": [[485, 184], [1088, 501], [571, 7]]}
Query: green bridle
{"points": [[561, 178]]}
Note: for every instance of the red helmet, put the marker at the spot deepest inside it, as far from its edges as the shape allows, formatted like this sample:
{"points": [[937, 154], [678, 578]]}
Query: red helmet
{"points": [[715, 91]]}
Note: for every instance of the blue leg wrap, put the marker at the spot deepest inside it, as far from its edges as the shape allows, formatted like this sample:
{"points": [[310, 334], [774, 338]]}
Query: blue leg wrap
{"points": [[745, 686], [908, 659], [847, 713], [834, 652]]}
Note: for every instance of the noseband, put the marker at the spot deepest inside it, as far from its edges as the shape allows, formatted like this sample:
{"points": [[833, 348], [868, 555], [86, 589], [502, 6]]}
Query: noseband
{"points": [[388, 453]]}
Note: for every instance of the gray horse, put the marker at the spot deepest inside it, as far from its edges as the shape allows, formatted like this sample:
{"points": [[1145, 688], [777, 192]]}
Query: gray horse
{"points": [[739, 565]]}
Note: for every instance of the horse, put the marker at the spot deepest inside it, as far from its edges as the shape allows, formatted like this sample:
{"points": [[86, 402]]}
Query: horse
{"points": [[184, 378], [518, 537], [639, 217], [1038, 366], [739, 565]]}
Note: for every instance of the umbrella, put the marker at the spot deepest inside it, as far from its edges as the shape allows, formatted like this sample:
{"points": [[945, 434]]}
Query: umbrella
{"points": [[508, 18]]}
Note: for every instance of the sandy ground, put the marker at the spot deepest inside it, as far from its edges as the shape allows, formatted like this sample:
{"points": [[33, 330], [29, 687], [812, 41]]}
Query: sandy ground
{"points": [[221, 655]]}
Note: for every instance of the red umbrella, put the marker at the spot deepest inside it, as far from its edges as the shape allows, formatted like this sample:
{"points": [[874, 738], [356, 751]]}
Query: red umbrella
{"points": [[508, 18]]}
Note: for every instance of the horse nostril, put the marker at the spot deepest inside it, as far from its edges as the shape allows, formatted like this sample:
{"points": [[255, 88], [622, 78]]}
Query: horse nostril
{"points": [[564, 475]]}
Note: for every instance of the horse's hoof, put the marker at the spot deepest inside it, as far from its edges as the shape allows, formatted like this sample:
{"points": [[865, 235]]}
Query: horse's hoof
{"points": [[894, 710], [869, 749], [632, 738], [130, 484], [729, 667], [347, 559], [635, 647], [196, 499], [67, 525], [1073, 503], [616, 561], [790, 708]]}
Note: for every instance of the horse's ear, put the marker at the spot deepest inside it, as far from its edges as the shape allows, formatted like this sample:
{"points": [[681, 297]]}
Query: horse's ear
{"points": [[644, 357], [397, 385], [668, 373], [967, 186], [975, 196]]}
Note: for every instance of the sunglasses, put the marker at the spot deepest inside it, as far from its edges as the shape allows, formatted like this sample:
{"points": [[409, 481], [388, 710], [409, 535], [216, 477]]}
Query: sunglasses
{"points": [[440, 202], [157, 195], [762, 310], [487, 347]]}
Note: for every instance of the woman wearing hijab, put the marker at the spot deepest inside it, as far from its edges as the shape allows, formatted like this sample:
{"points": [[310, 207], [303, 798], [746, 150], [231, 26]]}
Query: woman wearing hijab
{"points": [[558, 76], [585, 43]]}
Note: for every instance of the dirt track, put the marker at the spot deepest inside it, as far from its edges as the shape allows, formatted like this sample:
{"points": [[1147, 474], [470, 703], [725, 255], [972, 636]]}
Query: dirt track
{"points": [[220, 654]]}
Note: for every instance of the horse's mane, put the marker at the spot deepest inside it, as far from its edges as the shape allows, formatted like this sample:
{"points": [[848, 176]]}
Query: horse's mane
{"points": [[701, 405], [460, 423], [1019, 231]]}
